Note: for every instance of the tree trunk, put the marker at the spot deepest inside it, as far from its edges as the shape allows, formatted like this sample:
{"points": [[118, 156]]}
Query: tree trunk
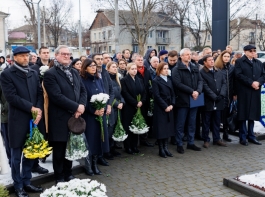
{"points": [[141, 47]]}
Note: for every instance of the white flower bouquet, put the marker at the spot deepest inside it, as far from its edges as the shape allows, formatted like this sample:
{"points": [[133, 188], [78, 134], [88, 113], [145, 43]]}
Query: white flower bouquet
{"points": [[76, 147], [99, 101], [119, 134], [43, 69], [76, 188], [138, 122]]}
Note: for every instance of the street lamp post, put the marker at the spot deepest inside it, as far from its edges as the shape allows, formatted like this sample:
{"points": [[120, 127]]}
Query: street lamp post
{"points": [[39, 39], [117, 31], [80, 34]]}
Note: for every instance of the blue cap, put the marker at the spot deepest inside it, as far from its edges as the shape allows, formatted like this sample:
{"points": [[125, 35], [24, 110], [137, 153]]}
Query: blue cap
{"points": [[163, 52], [249, 47], [20, 49]]}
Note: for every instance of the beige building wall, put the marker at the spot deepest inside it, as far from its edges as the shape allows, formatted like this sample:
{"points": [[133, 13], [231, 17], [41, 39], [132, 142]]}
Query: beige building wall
{"points": [[2, 32]]}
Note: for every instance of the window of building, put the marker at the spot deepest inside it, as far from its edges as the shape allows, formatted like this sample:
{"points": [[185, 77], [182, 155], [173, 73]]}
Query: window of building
{"points": [[209, 37], [161, 47], [109, 34], [95, 36], [149, 47], [104, 35], [161, 34], [105, 48], [110, 49], [99, 35], [150, 34], [135, 48]]}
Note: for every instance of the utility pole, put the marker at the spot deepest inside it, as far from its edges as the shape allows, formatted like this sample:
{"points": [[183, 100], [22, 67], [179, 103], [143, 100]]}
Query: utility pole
{"points": [[44, 31], [39, 39], [117, 30], [256, 29], [80, 29]]}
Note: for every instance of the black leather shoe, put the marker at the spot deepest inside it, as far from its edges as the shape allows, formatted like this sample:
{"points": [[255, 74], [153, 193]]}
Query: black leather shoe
{"points": [[21, 193], [115, 153], [40, 170], [108, 156], [69, 178], [254, 142], [33, 189], [146, 143], [129, 151], [117, 146], [193, 147], [244, 143], [59, 181], [102, 161], [135, 150], [180, 150]]}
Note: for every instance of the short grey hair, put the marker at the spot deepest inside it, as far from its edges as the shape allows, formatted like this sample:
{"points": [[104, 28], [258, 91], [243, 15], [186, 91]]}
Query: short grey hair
{"points": [[182, 51], [57, 50], [153, 58]]}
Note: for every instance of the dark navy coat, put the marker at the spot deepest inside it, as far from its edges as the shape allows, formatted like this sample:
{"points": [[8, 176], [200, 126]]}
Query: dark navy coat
{"points": [[22, 92], [94, 86], [163, 122], [64, 99]]}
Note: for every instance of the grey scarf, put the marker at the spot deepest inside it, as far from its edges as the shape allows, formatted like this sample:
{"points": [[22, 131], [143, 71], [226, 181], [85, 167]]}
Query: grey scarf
{"points": [[65, 69], [22, 69]]}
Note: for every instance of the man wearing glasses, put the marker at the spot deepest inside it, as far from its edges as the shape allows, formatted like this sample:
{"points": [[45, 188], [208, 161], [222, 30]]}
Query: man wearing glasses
{"points": [[250, 75], [67, 98]]}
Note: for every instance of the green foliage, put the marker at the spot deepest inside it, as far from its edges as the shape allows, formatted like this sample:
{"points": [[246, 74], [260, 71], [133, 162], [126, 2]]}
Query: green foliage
{"points": [[3, 191]]}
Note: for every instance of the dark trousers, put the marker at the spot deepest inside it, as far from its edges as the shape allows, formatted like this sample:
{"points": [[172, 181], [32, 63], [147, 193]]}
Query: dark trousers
{"points": [[198, 124], [131, 141], [4, 133], [211, 118], [225, 114], [111, 131], [61, 166], [22, 179], [182, 115], [245, 133]]}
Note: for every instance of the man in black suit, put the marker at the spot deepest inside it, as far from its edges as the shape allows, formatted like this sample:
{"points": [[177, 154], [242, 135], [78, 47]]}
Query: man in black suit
{"points": [[21, 88], [67, 97]]}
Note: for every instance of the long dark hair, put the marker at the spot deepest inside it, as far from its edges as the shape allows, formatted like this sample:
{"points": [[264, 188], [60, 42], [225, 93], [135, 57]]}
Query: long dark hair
{"points": [[87, 62]]}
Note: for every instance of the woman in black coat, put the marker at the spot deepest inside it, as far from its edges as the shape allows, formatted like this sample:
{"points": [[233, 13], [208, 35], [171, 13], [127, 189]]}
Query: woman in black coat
{"points": [[131, 86], [223, 63], [112, 69], [164, 100], [94, 85]]}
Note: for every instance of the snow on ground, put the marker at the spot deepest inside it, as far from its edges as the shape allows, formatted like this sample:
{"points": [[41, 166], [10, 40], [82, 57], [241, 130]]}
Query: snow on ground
{"points": [[6, 179], [259, 128], [257, 179]]}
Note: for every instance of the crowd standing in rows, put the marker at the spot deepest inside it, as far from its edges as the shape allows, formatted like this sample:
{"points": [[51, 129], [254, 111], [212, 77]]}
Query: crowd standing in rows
{"points": [[168, 83]]}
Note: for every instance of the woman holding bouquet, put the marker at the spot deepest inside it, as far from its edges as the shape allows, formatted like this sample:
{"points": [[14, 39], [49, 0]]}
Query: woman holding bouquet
{"points": [[112, 69], [94, 85], [131, 87], [164, 100]]}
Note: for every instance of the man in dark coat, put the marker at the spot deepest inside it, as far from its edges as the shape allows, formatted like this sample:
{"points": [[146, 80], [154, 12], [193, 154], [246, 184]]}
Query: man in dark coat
{"points": [[250, 75], [104, 75], [214, 87], [147, 57], [126, 54], [67, 97], [187, 84], [22, 91]]}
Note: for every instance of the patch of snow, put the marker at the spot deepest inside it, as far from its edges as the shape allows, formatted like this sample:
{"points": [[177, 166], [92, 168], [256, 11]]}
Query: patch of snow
{"points": [[257, 179], [6, 179], [259, 128]]}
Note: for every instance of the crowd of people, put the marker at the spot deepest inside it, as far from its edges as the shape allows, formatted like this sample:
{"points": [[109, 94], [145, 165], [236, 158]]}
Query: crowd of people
{"points": [[183, 95]]}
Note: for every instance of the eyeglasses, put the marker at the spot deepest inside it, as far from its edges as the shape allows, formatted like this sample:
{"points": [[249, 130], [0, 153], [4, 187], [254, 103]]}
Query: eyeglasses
{"points": [[66, 54], [252, 50], [92, 65]]}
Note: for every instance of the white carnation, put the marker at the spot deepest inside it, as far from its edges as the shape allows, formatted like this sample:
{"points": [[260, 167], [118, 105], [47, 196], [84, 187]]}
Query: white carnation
{"points": [[43, 69]]}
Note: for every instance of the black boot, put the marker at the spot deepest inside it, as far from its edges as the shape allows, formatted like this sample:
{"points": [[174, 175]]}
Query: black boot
{"points": [[95, 166], [88, 169], [225, 136], [161, 149], [165, 146]]}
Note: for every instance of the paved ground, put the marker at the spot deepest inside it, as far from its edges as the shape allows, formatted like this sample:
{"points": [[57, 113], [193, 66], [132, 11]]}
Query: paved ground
{"points": [[191, 174]]}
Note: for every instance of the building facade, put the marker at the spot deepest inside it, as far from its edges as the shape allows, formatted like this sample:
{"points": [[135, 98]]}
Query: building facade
{"points": [[3, 37]]}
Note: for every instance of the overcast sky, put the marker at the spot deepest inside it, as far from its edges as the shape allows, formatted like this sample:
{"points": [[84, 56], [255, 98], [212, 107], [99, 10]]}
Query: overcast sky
{"points": [[17, 11]]}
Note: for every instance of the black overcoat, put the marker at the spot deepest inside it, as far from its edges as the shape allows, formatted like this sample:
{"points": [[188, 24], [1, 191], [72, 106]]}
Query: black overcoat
{"points": [[107, 85], [186, 81], [129, 94], [22, 92], [249, 102], [94, 86], [214, 85], [64, 99], [163, 122]]}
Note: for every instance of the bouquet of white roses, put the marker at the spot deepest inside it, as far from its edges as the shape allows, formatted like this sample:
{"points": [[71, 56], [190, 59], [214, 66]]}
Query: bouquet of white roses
{"points": [[43, 69], [76, 188], [99, 101], [76, 147], [119, 134], [138, 122]]}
